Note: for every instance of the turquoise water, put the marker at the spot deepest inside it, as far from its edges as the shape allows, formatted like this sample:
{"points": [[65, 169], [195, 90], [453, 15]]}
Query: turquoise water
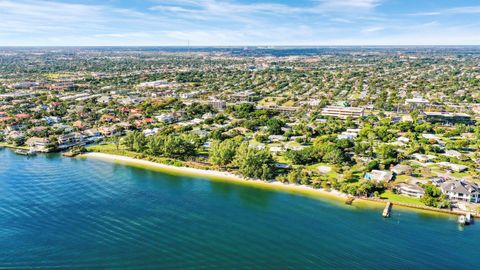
{"points": [[58, 212]]}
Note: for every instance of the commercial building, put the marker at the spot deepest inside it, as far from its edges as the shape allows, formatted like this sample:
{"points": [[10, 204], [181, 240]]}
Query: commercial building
{"points": [[343, 112], [447, 118]]}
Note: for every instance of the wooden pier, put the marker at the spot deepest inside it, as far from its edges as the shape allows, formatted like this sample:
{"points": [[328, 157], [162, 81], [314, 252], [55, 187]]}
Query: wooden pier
{"points": [[386, 211]]}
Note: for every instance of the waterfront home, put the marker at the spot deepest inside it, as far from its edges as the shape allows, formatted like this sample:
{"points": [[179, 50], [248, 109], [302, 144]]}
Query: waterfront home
{"points": [[410, 190], [15, 135], [38, 144], [401, 169], [379, 176], [461, 190], [69, 140]]}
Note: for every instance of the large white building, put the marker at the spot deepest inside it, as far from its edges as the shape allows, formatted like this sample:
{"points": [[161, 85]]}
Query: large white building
{"points": [[461, 190], [343, 112]]}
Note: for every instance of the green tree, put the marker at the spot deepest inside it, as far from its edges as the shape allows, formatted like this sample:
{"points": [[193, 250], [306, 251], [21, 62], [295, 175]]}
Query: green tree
{"points": [[223, 153], [254, 163]]}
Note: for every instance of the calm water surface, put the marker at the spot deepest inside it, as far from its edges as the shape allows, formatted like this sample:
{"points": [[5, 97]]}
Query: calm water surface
{"points": [[57, 212]]}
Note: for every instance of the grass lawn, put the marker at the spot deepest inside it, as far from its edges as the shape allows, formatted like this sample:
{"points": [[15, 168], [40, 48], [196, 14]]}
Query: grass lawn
{"points": [[460, 174], [289, 103], [281, 159], [4, 144], [332, 174], [400, 198], [402, 178]]}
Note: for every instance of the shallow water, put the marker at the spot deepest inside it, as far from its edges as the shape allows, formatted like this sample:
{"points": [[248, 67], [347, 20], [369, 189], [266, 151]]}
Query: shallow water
{"points": [[58, 212]]}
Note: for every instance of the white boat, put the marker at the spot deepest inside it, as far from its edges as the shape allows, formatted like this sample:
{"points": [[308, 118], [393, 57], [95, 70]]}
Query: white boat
{"points": [[465, 219], [468, 218], [26, 152], [462, 220]]}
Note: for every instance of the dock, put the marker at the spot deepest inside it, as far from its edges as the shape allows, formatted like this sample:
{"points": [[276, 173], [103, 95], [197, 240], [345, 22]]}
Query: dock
{"points": [[386, 211], [25, 152]]}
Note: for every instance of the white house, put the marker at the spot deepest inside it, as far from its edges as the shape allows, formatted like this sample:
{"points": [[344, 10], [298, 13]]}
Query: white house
{"points": [[410, 190], [379, 176], [461, 190]]}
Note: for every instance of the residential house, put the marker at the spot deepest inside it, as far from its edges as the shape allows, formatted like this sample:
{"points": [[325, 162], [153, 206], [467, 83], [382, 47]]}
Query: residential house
{"points": [[453, 154], [453, 167], [379, 176], [410, 190], [401, 169], [38, 144], [461, 190], [69, 140]]}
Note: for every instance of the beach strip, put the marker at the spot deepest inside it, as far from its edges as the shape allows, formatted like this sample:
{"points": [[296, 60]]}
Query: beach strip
{"points": [[213, 175], [218, 176]]}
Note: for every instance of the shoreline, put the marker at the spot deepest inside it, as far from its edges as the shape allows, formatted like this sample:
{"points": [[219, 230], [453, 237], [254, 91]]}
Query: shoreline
{"points": [[213, 175], [217, 176]]}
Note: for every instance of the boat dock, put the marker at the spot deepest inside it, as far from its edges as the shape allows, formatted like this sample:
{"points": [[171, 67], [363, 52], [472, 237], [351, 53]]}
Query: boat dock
{"points": [[386, 211], [25, 152]]}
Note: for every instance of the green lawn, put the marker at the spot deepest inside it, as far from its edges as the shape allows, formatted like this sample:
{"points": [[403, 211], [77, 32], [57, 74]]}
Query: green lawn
{"points": [[4, 144], [332, 174], [400, 198]]}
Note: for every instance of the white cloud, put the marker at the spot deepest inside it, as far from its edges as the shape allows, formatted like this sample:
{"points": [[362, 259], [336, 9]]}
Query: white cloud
{"points": [[226, 22], [349, 4], [372, 29], [451, 11]]}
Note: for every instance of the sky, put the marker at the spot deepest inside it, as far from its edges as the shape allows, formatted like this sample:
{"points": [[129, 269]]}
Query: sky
{"points": [[238, 22]]}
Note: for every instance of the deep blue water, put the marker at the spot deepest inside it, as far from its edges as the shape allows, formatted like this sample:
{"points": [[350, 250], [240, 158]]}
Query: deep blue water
{"points": [[57, 212]]}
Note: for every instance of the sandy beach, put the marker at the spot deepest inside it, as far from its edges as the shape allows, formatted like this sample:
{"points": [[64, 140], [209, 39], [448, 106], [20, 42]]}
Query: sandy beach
{"points": [[218, 176]]}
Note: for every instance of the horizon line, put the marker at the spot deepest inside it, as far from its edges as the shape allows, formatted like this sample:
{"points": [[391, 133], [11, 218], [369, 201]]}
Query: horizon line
{"points": [[239, 46]]}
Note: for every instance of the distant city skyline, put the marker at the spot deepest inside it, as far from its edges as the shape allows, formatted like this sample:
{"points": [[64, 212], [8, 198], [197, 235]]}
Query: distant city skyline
{"points": [[239, 22]]}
